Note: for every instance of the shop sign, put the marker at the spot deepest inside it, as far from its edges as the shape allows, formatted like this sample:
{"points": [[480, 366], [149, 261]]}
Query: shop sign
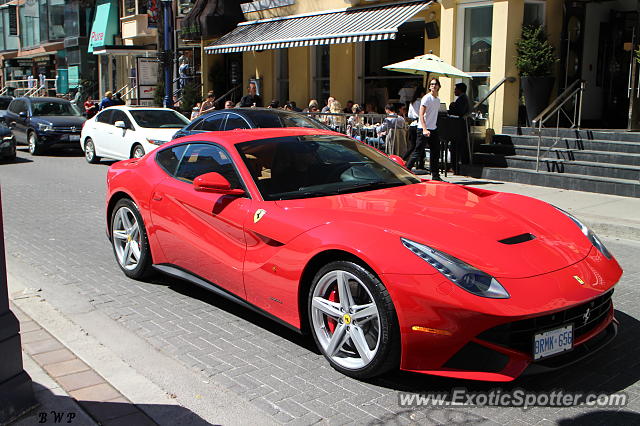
{"points": [[147, 92], [147, 71], [18, 63]]}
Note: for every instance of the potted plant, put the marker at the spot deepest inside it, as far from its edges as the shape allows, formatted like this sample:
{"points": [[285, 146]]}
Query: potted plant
{"points": [[535, 60]]}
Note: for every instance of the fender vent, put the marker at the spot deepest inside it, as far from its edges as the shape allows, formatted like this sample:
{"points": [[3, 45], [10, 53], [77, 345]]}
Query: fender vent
{"points": [[518, 239]]}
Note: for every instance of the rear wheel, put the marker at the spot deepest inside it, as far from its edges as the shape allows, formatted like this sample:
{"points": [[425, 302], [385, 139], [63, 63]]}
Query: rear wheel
{"points": [[138, 151], [353, 320], [90, 152], [129, 240], [35, 147]]}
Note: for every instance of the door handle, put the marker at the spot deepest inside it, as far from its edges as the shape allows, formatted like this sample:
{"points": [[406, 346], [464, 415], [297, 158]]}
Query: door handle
{"points": [[157, 196]]}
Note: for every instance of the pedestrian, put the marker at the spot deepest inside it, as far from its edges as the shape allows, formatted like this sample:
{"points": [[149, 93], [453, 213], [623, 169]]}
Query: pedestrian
{"points": [[229, 105], [428, 131], [208, 104], [461, 106], [117, 99], [90, 107], [313, 106], [107, 101], [414, 112], [251, 99], [30, 81], [195, 111], [327, 107], [348, 108], [275, 104]]}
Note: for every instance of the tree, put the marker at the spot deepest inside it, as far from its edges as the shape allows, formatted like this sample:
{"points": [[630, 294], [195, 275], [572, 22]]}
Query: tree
{"points": [[536, 56]]}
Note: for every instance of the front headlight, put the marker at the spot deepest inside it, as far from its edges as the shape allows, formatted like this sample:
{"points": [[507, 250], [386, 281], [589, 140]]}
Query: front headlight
{"points": [[45, 127], [155, 141], [460, 273], [589, 234]]}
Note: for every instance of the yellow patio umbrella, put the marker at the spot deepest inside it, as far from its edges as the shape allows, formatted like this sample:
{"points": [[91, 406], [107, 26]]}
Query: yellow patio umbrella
{"points": [[427, 64]]}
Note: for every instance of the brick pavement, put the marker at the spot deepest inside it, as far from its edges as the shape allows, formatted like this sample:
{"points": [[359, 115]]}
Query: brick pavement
{"points": [[54, 225]]}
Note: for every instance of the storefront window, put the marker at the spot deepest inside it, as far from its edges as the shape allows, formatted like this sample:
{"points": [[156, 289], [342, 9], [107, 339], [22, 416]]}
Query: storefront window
{"points": [[533, 13], [71, 20], [381, 85], [44, 22], [29, 24], [56, 19], [321, 74], [475, 22]]}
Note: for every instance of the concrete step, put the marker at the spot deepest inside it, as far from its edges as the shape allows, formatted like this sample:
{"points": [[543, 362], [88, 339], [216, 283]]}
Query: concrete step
{"points": [[631, 159], [588, 168], [570, 143], [583, 134], [603, 185]]}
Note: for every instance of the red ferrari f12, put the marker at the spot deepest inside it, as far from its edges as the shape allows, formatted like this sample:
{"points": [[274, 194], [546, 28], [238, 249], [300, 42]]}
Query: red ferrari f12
{"points": [[329, 236]]}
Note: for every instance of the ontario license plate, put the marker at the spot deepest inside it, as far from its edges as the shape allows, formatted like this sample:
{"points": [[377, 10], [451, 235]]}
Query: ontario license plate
{"points": [[74, 138], [552, 342]]}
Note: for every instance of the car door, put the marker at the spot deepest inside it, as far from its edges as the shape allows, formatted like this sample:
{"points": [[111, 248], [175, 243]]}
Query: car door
{"points": [[201, 232], [121, 140], [101, 133], [17, 123]]}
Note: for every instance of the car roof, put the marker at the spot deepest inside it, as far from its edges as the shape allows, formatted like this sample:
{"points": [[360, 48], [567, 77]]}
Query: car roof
{"points": [[229, 138], [251, 111], [138, 108], [41, 99]]}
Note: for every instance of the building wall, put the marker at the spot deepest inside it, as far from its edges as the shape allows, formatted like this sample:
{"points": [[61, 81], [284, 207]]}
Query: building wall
{"points": [[299, 75], [260, 65]]}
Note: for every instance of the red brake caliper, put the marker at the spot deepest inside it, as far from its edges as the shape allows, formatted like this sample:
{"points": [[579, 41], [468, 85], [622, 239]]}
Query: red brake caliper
{"points": [[332, 323]]}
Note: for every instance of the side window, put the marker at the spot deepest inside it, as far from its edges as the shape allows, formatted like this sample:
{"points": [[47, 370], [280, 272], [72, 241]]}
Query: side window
{"points": [[13, 107], [236, 122], [105, 116], [205, 158], [169, 158], [118, 115], [213, 123], [20, 106]]}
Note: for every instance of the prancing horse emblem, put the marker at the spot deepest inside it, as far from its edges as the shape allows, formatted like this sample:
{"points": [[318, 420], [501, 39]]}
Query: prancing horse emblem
{"points": [[258, 215], [580, 281], [586, 315]]}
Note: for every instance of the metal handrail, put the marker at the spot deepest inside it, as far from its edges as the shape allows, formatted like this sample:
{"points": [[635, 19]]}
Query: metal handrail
{"points": [[122, 88], [221, 98], [574, 91], [493, 89]]}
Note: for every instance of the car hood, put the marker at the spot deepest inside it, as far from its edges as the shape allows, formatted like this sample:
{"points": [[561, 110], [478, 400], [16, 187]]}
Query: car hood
{"points": [[60, 121], [159, 134], [460, 221]]}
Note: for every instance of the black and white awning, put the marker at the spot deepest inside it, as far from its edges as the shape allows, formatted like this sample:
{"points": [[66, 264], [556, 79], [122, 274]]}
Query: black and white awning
{"points": [[369, 23]]}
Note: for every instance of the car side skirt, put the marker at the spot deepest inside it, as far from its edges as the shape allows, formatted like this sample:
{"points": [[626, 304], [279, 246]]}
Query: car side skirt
{"points": [[178, 272]]}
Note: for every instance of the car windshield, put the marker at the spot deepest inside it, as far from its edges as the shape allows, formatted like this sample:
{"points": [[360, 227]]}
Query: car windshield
{"points": [[4, 103], [269, 119], [40, 108], [319, 165], [159, 118]]}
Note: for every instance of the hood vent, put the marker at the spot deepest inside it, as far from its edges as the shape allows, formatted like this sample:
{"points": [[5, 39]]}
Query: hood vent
{"points": [[518, 239]]}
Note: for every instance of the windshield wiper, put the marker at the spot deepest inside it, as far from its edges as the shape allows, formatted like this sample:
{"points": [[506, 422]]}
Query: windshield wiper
{"points": [[380, 184]]}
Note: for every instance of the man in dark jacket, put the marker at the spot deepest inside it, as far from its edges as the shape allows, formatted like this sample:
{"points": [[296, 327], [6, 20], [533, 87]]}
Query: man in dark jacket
{"points": [[461, 106], [251, 98]]}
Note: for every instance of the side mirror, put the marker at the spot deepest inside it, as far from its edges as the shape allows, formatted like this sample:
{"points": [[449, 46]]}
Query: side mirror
{"points": [[22, 114], [120, 125], [397, 159], [215, 182]]}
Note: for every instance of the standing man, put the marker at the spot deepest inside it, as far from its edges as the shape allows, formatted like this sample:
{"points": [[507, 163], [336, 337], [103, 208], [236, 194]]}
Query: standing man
{"points": [[251, 99], [461, 106], [428, 131]]}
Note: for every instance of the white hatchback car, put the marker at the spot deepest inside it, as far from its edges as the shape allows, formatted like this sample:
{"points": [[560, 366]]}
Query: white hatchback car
{"points": [[123, 132]]}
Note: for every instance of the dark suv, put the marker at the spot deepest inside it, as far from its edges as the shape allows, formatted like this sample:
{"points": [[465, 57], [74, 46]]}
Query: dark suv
{"points": [[43, 123]]}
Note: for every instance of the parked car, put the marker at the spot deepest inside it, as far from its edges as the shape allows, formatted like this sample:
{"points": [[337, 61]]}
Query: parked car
{"points": [[122, 132], [325, 234], [4, 104], [7, 144], [248, 118], [44, 123]]}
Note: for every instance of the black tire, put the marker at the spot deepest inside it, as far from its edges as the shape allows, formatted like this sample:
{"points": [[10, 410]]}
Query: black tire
{"points": [[90, 152], [387, 356], [144, 264], [137, 151], [35, 147]]}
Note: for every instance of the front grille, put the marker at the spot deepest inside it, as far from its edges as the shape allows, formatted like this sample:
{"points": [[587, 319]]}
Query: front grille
{"points": [[519, 335], [75, 129]]}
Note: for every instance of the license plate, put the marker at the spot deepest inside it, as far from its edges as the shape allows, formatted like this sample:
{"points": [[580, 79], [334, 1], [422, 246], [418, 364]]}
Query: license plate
{"points": [[74, 138], [552, 342]]}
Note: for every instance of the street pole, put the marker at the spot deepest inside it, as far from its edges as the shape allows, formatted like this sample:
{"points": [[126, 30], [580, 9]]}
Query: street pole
{"points": [[16, 391], [167, 12]]}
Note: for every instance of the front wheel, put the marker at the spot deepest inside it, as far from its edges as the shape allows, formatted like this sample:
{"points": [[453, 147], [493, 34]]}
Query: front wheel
{"points": [[129, 240], [353, 320], [90, 152], [35, 147]]}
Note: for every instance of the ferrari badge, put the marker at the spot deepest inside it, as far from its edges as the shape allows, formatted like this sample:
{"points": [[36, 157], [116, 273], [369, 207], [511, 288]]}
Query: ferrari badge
{"points": [[577, 278], [258, 215]]}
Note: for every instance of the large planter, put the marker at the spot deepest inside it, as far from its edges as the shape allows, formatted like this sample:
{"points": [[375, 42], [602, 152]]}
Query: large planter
{"points": [[536, 94]]}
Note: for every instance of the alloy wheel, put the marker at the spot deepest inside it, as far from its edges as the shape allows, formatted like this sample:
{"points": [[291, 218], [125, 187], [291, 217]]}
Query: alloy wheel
{"points": [[126, 238], [89, 151], [138, 152], [345, 319], [33, 143]]}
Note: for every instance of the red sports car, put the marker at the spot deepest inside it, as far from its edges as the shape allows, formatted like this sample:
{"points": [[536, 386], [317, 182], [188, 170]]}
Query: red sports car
{"points": [[329, 236]]}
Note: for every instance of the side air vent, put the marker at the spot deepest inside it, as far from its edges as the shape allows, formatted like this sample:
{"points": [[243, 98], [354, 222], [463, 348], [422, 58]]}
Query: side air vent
{"points": [[518, 239]]}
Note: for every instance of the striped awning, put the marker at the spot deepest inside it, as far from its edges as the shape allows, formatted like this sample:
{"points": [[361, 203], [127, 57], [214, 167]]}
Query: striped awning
{"points": [[369, 23]]}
